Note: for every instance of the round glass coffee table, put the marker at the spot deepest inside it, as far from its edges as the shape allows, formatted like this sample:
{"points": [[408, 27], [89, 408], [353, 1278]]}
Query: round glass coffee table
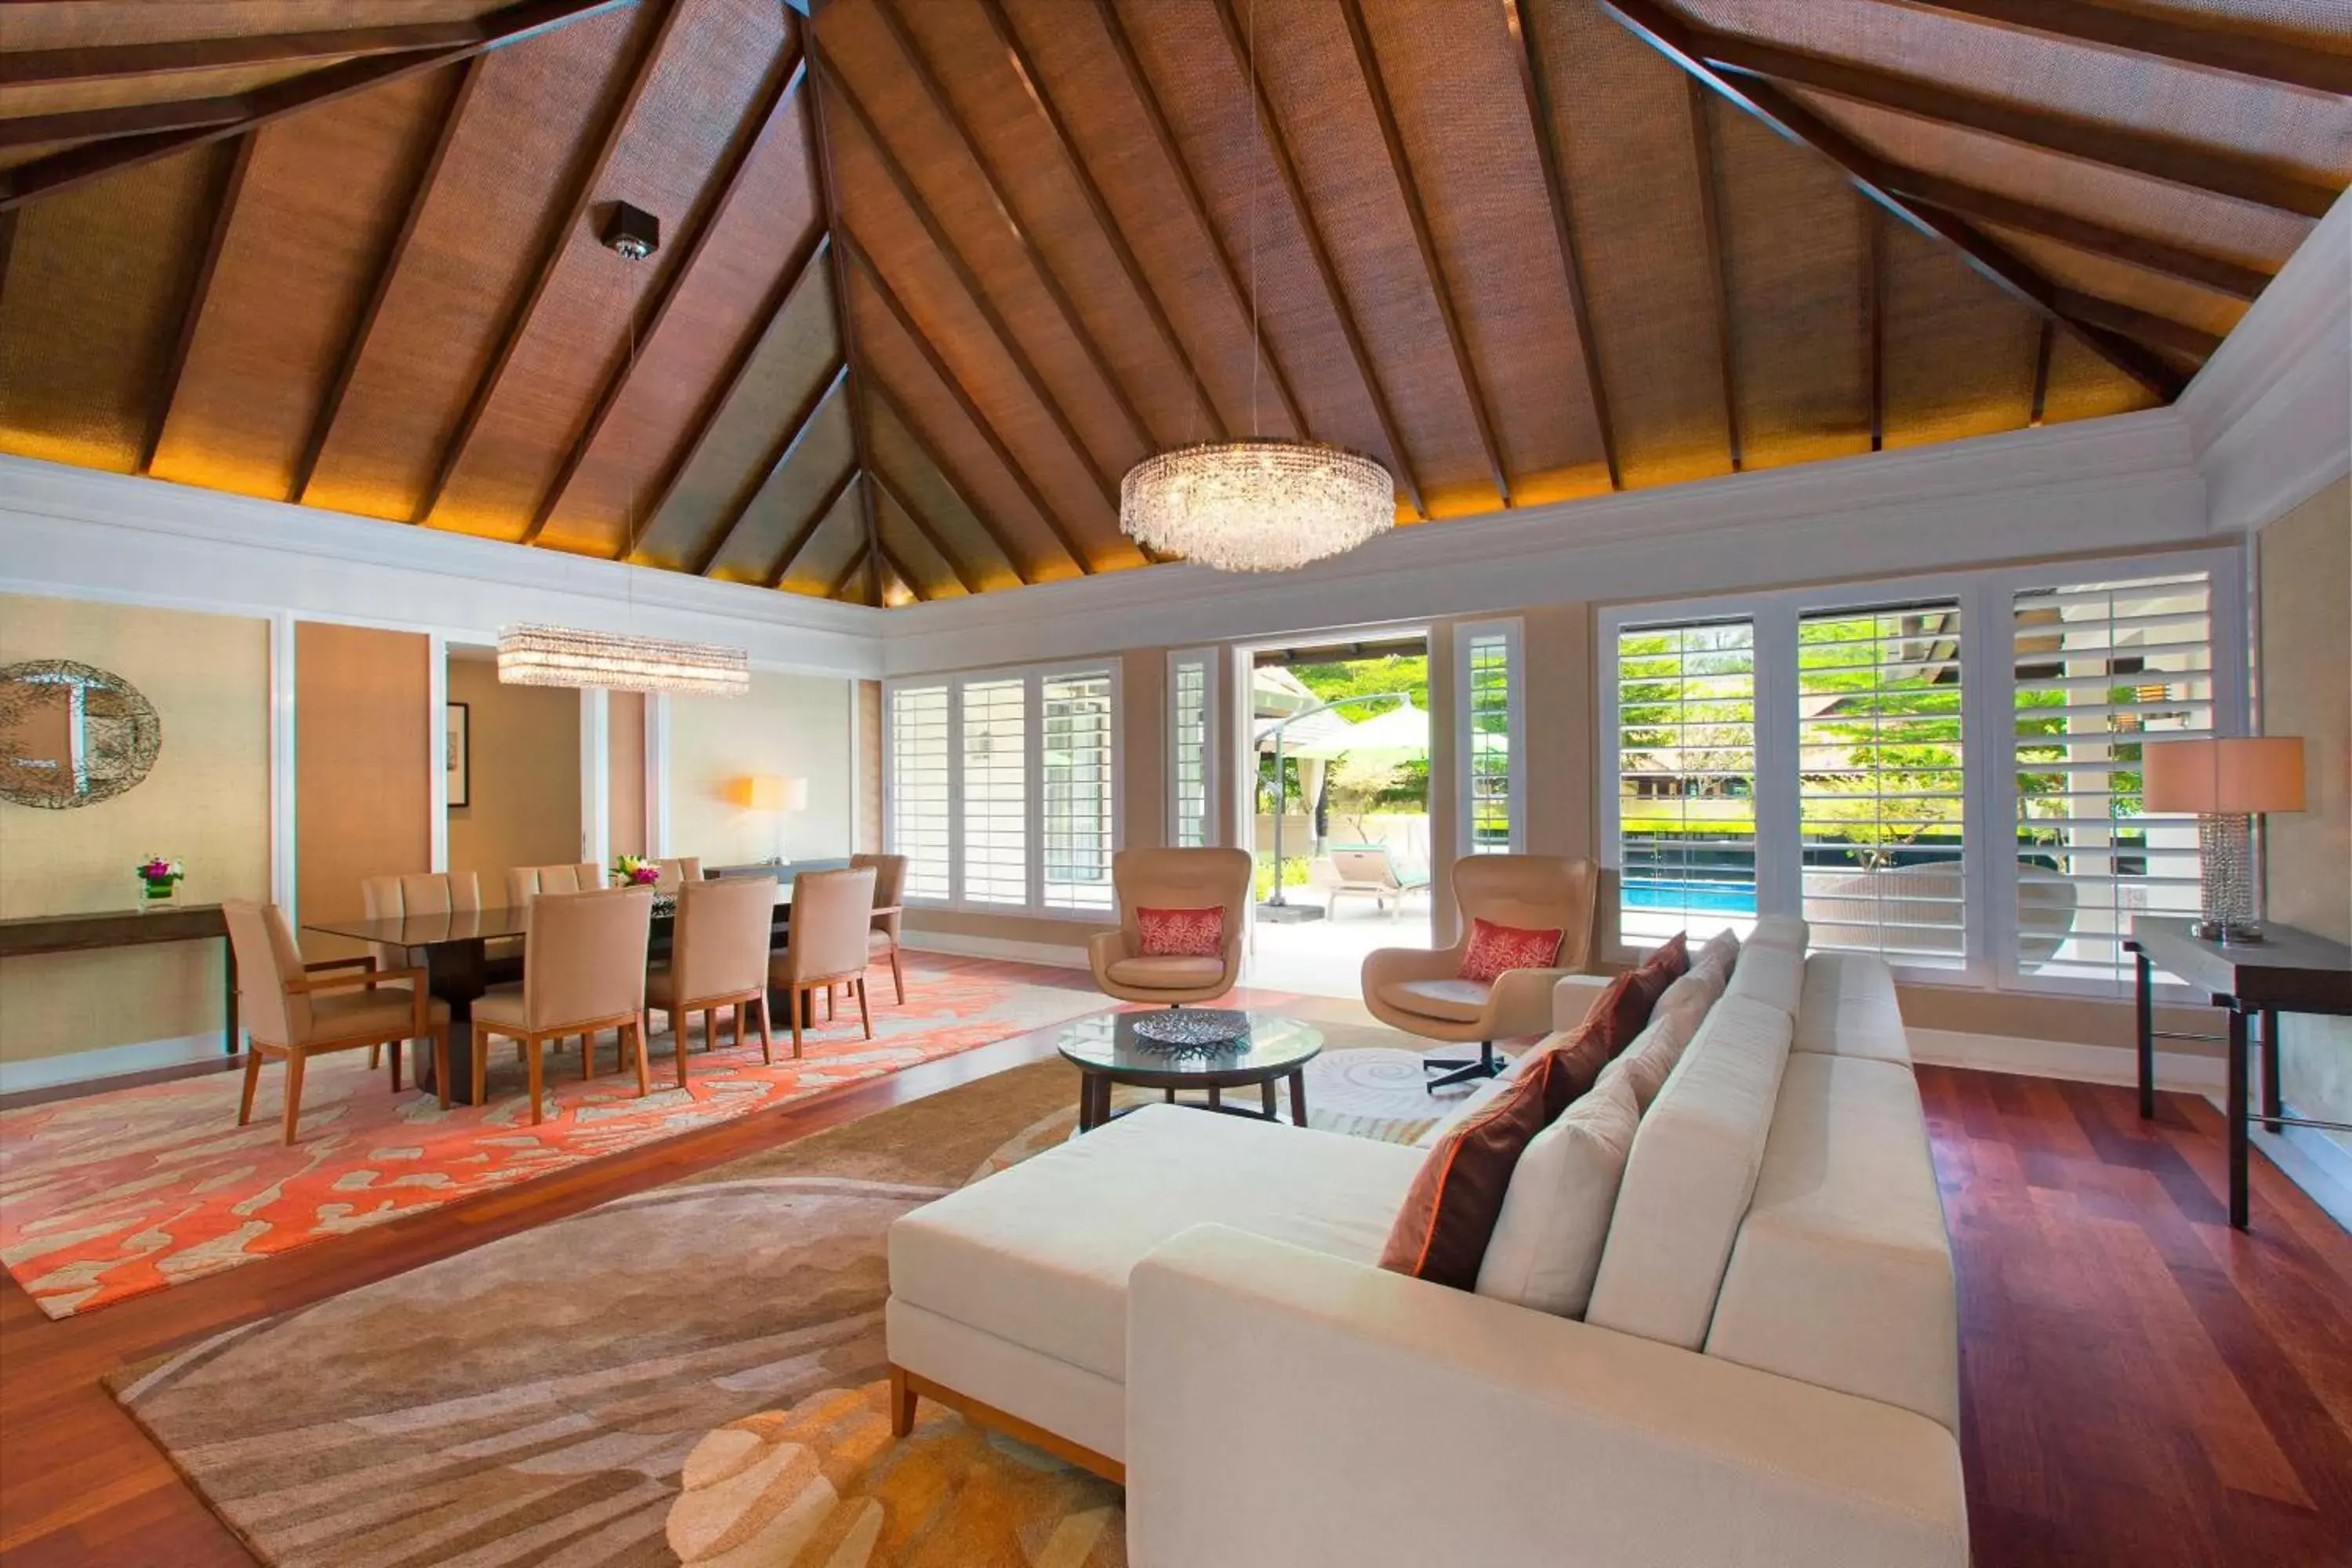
{"points": [[1268, 1048]]}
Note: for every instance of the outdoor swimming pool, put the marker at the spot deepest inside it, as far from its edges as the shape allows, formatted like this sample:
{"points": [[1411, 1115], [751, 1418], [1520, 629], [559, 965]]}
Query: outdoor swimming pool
{"points": [[1716, 898]]}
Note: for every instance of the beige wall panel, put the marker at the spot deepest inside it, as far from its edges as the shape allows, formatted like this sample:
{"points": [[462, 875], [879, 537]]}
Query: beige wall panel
{"points": [[362, 758], [794, 726], [870, 766], [524, 805], [2306, 685], [624, 771], [206, 802]]}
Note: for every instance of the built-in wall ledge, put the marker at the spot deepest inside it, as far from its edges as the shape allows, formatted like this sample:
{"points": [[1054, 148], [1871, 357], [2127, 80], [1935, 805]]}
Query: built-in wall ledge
{"points": [[98, 1068]]}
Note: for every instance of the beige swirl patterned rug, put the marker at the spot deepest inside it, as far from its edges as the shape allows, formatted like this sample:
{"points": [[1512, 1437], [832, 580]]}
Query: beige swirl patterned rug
{"points": [[687, 1375]]}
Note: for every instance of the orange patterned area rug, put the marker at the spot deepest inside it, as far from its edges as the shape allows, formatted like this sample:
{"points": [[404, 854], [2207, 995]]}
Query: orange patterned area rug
{"points": [[113, 1195]]}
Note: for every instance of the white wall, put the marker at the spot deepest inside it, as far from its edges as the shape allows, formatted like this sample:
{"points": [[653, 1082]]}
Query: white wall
{"points": [[794, 726]]}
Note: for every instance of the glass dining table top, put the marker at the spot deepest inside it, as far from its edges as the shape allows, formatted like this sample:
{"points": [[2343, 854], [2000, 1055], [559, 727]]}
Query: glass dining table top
{"points": [[454, 926]]}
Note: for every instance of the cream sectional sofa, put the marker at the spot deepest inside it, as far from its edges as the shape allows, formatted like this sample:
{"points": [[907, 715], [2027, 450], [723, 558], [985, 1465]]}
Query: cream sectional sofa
{"points": [[1766, 1375]]}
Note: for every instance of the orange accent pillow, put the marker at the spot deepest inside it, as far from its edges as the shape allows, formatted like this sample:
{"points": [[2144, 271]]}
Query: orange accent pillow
{"points": [[1449, 1213], [1182, 934], [1496, 950]]}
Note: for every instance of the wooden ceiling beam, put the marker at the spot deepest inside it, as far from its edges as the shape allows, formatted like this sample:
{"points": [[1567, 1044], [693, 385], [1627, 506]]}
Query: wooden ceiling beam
{"points": [[115, 62], [1164, 133], [1433, 266], [2082, 234], [1686, 46], [1062, 532], [1534, 87], [231, 182], [74, 165], [1032, 83], [798, 541], [2217, 45], [2194, 164], [955, 482], [969, 282], [931, 535], [828, 186], [1874, 297], [1718, 270], [1000, 197], [773, 461], [840, 584], [553, 245], [884, 556], [2045, 340], [1303, 214], [771, 103], [2147, 326], [347, 364], [788, 287], [121, 120]]}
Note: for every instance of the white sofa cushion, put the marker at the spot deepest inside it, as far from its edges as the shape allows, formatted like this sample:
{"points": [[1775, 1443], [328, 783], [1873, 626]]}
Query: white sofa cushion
{"points": [[1547, 1243], [1848, 1008], [1772, 976], [1038, 1254], [1688, 1178], [1842, 1272], [1789, 931]]}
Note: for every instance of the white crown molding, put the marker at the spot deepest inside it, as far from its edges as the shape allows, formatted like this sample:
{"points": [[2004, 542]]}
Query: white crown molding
{"points": [[2119, 483], [81, 534], [2271, 412]]}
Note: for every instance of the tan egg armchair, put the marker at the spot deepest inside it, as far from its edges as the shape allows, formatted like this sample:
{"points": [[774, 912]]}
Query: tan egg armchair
{"points": [[719, 958], [584, 970], [833, 912], [1421, 991], [525, 883], [296, 1011], [1171, 879], [882, 940]]}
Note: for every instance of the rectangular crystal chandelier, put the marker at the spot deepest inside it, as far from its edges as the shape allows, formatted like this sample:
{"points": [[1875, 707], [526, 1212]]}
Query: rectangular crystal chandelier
{"points": [[562, 655]]}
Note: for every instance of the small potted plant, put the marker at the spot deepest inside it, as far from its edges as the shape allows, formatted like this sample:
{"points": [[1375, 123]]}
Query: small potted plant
{"points": [[635, 871], [159, 880]]}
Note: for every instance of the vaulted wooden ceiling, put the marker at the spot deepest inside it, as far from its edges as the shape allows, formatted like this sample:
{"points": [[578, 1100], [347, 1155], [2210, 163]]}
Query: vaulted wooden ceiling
{"points": [[935, 273]]}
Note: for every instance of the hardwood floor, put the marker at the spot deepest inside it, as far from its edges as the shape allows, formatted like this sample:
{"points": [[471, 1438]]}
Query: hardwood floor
{"points": [[2142, 1386]]}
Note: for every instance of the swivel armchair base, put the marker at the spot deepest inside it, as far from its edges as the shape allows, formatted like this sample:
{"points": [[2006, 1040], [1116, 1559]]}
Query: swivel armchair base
{"points": [[1487, 1065]]}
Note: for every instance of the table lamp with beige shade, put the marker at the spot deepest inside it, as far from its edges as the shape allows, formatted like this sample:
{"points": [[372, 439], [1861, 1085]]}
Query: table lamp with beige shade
{"points": [[2226, 780], [776, 794]]}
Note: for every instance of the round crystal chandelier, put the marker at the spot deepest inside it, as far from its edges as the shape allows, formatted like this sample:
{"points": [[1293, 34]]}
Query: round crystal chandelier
{"points": [[1260, 505]]}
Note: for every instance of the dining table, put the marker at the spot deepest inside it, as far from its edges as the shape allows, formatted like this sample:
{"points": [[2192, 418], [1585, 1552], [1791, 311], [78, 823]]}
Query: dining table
{"points": [[453, 949]]}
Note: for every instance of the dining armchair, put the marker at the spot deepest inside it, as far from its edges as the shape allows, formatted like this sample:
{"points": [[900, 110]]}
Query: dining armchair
{"points": [[525, 883], [882, 940], [1424, 992], [678, 872], [423, 893], [583, 971], [833, 919], [719, 958], [295, 1011], [1174, 881]]}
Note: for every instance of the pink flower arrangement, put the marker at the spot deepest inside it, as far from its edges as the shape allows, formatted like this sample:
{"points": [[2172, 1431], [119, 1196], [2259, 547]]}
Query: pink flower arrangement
{"points": [[635, 872], [159, 870]]}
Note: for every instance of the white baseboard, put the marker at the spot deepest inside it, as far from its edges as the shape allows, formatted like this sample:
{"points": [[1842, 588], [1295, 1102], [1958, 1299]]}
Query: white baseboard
{"points": [[1046, 952], [2062, 1058], [110, 1061]]}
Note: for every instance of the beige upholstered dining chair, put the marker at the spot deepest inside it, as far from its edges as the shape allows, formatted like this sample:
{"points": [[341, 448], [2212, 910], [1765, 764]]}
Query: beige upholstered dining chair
{"points": [[1171, 879], [882, 941], [833, 915], [525, 883], [421, 893], [718, 958], [296, 1011], [678, 872], [1420, 990], [584, 970]]}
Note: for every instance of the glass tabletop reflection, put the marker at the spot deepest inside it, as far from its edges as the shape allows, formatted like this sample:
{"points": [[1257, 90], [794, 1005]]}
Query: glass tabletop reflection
{"points": [[454, 926], [1107, 1043]]}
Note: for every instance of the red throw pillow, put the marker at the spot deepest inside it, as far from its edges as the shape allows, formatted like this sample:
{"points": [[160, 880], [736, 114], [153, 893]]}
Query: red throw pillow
{"points": [[1615, 1017], [1449, 1213], [1495, 951], [1182, 934], [1666, 965]]}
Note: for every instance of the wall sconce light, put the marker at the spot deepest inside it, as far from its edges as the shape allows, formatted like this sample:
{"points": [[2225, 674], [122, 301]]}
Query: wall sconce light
{"points": [[775, 794]]}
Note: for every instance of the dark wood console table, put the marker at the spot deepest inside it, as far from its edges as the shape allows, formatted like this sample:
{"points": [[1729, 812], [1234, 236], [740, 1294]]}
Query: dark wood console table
{"points": [[2289, 970], [131, 928]]}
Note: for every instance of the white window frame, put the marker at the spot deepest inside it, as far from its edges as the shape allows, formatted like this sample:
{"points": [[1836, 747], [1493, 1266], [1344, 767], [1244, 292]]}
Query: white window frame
{"points": [[1032, 678], [1512, 632], [1213, 823], [1988, 720]]}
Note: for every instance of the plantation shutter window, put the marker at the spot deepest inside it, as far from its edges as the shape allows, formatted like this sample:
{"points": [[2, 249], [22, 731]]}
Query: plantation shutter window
{"points": [[1078, 793], [1191, 752], [1880, 782], [918, 794], [1686, 786], [996, 786], [2100, 667], [1487, 657]]}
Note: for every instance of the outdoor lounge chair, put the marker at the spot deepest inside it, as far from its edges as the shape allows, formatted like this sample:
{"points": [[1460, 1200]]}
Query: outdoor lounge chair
{"points": [[1367, 871]]}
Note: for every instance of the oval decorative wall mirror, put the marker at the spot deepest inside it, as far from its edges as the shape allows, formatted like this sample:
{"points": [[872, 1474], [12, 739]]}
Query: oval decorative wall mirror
{"points": [[72, 734]]}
